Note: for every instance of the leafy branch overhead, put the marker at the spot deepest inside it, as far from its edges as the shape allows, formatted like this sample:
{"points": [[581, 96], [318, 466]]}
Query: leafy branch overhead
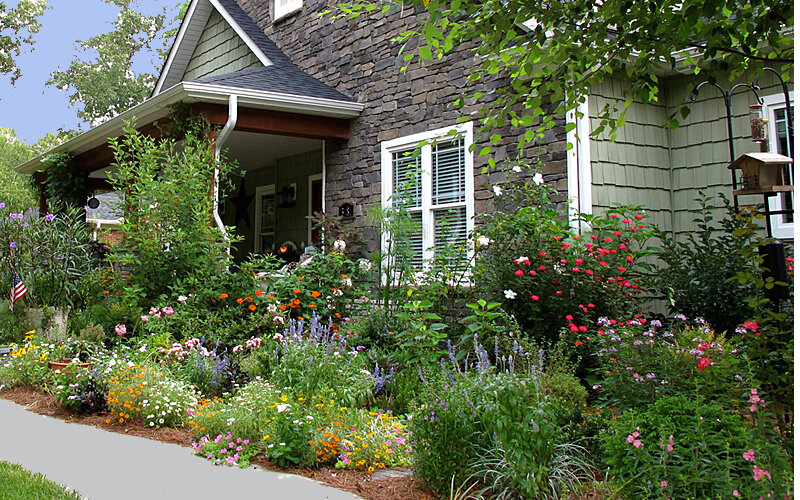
{"points": [[104, 81], [17, 27], [555, 51]]}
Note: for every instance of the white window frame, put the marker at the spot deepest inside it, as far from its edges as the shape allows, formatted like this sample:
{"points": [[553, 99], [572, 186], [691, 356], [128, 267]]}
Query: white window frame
{"points": [[261, 191], [780, 229], [464, 130], [281, 11]]}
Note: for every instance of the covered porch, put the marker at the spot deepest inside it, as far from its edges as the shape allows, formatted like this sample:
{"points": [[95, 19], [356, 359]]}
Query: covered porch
{"points": [[277, 140]]}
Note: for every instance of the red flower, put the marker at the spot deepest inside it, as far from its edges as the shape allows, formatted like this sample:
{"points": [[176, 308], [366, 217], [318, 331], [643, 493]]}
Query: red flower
{"points": [[750, 325], [704, 363], [519, 272], [569, 317], [638, 217], [534, 297], [578, 342]]}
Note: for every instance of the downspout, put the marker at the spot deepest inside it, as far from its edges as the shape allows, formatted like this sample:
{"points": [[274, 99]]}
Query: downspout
{"points": [[233, 116]]}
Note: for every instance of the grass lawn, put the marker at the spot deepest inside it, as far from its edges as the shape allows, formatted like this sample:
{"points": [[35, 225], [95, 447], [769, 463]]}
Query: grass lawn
{"points": [[18, 484]]}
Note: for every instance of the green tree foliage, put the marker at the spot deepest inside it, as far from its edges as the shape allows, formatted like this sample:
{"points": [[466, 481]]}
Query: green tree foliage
{"points": [[104, 81], [16, 190], [555, 51], [17, 27]]}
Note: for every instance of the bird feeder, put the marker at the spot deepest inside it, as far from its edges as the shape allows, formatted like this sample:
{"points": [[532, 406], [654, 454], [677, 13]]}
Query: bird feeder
{"points": [[762, 173], [758, 125]]}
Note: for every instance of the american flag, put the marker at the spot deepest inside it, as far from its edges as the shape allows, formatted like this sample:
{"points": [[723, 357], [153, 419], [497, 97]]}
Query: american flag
{"points": [[18, 289]]}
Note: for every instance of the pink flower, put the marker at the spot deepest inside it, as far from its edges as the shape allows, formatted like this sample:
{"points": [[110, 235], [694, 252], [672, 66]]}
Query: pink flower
{"points": [[671, 444], [120, 330], [664, 484], [167, 310], [519, 272], [145, 318], [749, 455], [758, 473], [534, 297], [736, 493], [704, 363], [630, 439], [637, 444]]}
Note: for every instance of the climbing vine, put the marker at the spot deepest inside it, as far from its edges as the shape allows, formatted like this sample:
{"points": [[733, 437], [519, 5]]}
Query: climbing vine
{"points": [[66, 185]]}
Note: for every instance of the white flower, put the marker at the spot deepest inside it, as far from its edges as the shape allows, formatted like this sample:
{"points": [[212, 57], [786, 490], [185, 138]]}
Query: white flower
{"points": [[483, 241], [182, 299], [365, 265], [339, 246], [510, 294], [282, 407], [517, 169], [497, 190], [538, 179]]}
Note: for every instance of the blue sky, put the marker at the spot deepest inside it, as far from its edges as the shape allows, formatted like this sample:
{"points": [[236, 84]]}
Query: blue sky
{"points": [[33, 109]]}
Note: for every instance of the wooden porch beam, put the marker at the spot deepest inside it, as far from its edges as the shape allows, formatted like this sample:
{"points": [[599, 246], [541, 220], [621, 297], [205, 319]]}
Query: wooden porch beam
{"points": [[263, 121], [102, 156]]}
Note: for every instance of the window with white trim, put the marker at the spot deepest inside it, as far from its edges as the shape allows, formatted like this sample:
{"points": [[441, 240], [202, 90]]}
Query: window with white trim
{"points": [[283, 8], [775, 113], [434, 184]]}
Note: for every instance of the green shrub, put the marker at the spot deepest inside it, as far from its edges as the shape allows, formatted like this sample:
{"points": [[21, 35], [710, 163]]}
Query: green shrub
{"points": [[697, 276], [691, 449], [640, 362], [27, 364], [565, 389]]}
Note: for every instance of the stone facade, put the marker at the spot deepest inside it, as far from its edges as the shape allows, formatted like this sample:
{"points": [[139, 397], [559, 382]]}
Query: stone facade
{"points": [[358, 58]]}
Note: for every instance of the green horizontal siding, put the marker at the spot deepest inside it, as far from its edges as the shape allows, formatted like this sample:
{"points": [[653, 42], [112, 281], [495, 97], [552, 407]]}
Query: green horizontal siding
{"points": [[219, 51]]}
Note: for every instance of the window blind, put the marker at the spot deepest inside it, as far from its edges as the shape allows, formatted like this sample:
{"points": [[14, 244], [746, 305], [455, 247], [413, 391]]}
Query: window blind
{"points": [[407, 179], [448, 172]]}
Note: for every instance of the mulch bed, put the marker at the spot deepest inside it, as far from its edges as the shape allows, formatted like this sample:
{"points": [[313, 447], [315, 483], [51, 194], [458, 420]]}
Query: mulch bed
{"points": [[381, 485]]}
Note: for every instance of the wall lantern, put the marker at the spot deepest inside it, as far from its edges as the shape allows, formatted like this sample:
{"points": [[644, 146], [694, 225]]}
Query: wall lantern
{"points": [[762, 173], [288, 196]]}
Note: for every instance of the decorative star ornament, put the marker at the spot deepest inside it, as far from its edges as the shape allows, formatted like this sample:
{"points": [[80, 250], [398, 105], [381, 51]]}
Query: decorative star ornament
{"points": [[240, 204]]}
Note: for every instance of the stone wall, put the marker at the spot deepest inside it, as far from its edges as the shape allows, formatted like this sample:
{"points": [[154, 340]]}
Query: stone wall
{"points": [[358, 58]]}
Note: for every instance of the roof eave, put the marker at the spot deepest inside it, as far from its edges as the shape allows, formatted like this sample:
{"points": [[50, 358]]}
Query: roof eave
{"points": [[156, 107]]}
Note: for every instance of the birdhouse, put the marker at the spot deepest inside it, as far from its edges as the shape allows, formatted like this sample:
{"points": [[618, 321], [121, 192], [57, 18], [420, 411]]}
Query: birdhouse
{"points": [[762, 173]]}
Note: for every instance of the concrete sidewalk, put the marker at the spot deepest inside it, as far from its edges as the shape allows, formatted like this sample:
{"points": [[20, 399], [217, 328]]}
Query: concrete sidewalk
{"points": [[104, 465]]}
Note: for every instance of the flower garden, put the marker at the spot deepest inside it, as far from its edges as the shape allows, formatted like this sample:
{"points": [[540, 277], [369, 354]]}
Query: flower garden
{"points": [[535, 363]]}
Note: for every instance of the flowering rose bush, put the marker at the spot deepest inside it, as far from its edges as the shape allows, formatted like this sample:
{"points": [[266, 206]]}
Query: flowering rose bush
{"points": [[541, 269]]}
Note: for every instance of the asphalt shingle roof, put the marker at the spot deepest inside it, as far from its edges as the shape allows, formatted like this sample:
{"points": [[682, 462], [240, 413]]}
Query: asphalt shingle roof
{"points": [[282, 76]]}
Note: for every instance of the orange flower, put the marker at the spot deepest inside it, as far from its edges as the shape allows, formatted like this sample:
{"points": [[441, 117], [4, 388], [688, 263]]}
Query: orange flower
{"points": [[249, 299], [240, 300], [252, 307], [338, 315], [297, 290], [301, 278], [270, 297], [259, 293], [345, 276], [315, 294], [312, 306], [283, 307], [223, 295]]}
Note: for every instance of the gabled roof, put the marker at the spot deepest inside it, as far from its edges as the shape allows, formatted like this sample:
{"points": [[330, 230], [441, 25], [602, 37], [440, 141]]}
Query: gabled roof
{"points": [[279, 74], [287, 77]]}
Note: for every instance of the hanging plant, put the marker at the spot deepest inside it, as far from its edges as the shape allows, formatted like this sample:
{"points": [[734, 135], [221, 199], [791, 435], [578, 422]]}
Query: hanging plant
{"points": [[66, 185]]}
